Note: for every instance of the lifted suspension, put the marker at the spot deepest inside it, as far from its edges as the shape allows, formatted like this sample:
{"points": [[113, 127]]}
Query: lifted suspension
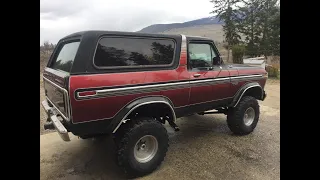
{"points": [[172, 124]]}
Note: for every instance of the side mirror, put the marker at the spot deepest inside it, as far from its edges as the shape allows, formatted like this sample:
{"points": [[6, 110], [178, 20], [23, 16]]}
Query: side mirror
{"points": [[217, 60]]}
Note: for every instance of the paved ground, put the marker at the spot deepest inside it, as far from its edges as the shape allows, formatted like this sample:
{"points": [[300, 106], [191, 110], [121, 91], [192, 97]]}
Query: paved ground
{"points": [[204, 148]]}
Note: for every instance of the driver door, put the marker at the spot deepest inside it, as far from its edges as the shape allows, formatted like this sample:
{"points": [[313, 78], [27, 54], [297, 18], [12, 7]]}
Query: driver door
{"points": [[203, 69]]}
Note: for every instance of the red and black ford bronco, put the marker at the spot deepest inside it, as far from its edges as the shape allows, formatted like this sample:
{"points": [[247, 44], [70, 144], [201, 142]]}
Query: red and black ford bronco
{"points": [[129, 84]]}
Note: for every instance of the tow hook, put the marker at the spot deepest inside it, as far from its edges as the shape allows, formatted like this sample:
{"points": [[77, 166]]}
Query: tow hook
{"points": [[48, 125]]}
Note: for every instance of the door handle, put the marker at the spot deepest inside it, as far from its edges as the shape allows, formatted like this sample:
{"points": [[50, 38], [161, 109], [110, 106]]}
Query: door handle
{"points": [[196, 75]]}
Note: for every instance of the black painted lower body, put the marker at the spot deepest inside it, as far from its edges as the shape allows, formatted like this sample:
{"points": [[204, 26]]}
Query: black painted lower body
{"points": [[101, 127], [195, 108], [106, 126]]}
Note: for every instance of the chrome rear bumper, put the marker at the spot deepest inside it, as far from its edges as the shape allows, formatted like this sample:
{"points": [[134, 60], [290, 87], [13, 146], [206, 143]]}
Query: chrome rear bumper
{"points": [[52, 117]]}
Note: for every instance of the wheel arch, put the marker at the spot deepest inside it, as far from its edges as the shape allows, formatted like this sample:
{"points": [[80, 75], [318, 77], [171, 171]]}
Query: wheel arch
{"points": [[253, 89], [121, 117]]}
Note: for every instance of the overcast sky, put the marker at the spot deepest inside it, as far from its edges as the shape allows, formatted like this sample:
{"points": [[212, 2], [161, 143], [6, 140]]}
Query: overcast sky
{"points": [[59, 18]]}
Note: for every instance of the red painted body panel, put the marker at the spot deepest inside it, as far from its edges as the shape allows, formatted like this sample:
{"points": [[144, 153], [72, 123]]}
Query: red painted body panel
{"points": [[108, 107], [205, 93], [233, 88], [251, 71], [102, 108], [222, 91], [106, 80]]}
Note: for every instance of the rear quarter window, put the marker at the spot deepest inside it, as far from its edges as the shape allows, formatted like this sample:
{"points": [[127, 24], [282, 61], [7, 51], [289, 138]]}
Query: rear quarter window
{"points": [[64, 56], [127, 52]]}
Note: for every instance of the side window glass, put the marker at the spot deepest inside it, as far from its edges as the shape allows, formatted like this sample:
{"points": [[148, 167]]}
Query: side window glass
{"points": [[65, 57], [200, 56], [138, 52]]}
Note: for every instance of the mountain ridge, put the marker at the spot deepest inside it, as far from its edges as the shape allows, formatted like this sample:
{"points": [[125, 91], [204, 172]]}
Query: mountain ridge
{"points": [[158, 28]]}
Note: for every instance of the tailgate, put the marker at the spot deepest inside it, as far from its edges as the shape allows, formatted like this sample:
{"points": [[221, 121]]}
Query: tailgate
{"points": [[56, 76], [57, 96]]}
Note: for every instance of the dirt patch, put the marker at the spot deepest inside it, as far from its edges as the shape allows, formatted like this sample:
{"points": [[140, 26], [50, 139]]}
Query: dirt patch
{"points": [[204, 148]]}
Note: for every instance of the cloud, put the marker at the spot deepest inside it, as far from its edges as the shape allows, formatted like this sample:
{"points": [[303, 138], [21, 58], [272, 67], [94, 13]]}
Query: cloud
{"points": [[51, 9], [59, 18]]}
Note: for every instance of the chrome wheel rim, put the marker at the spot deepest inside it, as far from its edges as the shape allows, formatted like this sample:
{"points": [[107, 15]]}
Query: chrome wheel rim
{"points": [[145, 148], [248, 117]]}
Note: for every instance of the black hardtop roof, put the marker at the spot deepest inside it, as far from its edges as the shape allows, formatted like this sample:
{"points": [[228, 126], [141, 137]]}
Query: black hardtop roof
{"points": [[100, 33]]}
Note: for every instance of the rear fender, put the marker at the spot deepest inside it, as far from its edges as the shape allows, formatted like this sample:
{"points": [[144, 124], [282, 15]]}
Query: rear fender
{"points": [[125, 112]]}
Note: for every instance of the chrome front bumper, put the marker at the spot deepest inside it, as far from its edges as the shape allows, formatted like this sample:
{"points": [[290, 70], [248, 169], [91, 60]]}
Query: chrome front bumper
{"points": [[52, 116]]}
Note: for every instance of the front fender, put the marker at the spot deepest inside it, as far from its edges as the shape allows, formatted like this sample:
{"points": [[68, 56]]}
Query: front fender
{"points": [[243, 90]]}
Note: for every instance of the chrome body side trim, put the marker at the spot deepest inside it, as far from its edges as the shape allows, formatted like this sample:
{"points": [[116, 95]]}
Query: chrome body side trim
{"points": [[158, 87], [139, 87], [183, 43], [246, 76], [78, 95], [69, 101], [151, 102]]}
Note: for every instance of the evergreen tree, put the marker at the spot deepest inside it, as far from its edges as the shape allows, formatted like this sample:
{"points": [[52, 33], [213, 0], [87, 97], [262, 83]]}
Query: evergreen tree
{"points": [[270, 24], [224, 10], [249, 25]]}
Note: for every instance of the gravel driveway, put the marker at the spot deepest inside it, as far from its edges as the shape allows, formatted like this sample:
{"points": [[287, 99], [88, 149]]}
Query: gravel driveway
{"points": [[204, 148]]}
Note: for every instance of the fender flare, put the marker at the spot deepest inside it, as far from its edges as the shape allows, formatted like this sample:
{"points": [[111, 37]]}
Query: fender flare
{"points": [[242, 90], [126, 110]]}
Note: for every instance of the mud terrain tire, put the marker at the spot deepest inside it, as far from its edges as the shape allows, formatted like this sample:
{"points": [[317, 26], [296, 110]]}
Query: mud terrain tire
{"points": [[143, 134], [243, 118]]}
